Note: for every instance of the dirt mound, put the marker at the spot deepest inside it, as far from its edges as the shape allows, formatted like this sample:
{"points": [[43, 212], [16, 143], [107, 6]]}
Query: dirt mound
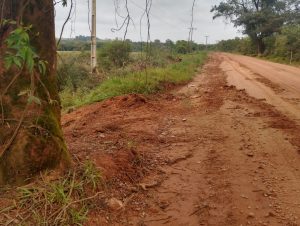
{"points": [[111, 134], [127, 101]]}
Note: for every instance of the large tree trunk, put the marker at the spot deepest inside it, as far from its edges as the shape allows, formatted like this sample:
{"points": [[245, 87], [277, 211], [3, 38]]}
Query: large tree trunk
{"points": [[39, 142]]}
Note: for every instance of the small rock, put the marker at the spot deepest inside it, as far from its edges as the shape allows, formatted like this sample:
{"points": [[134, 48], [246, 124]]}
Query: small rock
{"points": [[149, 185], [251, 215], [115, 204], [270, 214], [250, 154], [184, 119], [101, 135], [244, 196]]}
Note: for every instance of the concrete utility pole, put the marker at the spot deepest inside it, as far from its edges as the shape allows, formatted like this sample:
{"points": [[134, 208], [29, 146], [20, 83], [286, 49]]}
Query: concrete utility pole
{"points": [[191, 34], [94, 39], [192, 28], [206, 41]]}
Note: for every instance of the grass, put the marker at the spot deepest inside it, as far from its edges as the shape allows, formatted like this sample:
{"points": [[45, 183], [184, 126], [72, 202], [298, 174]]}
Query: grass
{"points": [[146, 82], [63, 201]]}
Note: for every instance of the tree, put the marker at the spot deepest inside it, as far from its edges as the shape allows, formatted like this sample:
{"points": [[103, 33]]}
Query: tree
{"points": [[259, 18], [31, 137], [292, 34]]}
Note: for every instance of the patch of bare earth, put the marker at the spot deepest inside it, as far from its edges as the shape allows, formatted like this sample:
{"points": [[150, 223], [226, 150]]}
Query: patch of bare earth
{"points": [[203, 154]]}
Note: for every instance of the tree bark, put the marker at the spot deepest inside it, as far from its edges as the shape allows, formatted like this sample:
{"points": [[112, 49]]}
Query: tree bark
{"points": [[39, 142], [261, 47]]}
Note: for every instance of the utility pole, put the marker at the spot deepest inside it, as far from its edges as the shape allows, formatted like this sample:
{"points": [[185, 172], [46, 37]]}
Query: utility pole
{"points": [[191, 33], [206, 41], [192, 28], [93, 39]]}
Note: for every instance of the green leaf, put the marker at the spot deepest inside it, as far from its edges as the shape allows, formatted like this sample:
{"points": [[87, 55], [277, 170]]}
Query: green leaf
{"points": [[34, 99], [8, 62], [42, 67], [21, 53], [29, 60], [17, 61]]}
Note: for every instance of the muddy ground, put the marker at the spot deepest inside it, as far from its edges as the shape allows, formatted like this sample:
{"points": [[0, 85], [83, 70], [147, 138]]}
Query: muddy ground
{"points": [[221, 150]]}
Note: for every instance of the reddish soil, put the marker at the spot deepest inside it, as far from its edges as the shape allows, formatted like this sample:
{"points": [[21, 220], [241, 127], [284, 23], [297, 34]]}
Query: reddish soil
{"points": [[209, 153]]}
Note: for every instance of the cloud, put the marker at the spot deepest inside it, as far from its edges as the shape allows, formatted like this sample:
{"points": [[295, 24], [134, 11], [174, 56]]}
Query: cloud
{"points": [[170, 19]]}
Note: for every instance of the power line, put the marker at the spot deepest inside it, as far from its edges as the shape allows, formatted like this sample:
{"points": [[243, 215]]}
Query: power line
{"points": [[154, 16]]}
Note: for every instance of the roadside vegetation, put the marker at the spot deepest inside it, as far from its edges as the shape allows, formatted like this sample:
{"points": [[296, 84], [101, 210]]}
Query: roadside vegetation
{"points": [[283, 47], [122, 71], [272, 28], [55, 200]]}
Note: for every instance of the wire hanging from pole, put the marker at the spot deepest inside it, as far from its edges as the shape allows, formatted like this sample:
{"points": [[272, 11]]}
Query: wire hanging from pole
{"points": [[89, 14], [126, 20], [65, 23]]}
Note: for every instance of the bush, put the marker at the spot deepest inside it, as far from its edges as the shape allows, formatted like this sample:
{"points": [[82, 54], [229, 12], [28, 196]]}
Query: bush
{"points": [[72, 70], [114, 54], [182, 47]]}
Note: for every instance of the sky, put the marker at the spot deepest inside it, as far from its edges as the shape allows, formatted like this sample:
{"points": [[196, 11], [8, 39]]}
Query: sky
{"points": [[170, 19]]}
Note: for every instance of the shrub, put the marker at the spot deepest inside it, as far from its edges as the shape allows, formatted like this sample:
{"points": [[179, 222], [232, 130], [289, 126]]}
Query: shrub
{"points": [[114, 54], [72, 70]]}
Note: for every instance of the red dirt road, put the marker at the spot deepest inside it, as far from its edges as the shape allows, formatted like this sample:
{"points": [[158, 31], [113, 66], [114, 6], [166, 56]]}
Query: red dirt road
{"points": [[278, 84], [223, 150]]}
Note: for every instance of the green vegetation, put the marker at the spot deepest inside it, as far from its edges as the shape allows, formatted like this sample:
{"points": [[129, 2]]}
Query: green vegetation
{"points": [[82, 43], [283, 47], [259, 19], [115, 53], [73, 71], [137, 77], [48, 201], [272, 28]]}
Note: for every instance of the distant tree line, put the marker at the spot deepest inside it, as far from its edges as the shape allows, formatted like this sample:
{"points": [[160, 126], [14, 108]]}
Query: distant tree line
{"points": [[82, 43]]}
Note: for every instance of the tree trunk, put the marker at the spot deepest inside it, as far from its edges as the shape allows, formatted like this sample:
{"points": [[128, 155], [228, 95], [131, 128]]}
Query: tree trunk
{"points": [[261, 47], [31, 137]]}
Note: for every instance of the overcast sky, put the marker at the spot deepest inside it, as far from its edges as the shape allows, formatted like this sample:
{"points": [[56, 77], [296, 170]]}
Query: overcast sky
{"points": [[170, 19]]}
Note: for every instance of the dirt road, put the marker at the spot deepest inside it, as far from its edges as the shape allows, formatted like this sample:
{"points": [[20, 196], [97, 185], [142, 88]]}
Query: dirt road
{"points": [[278, 84], [222, 150]]}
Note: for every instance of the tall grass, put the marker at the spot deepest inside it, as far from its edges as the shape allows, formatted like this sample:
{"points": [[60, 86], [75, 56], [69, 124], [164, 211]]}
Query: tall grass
{"points": [[145, 82]]}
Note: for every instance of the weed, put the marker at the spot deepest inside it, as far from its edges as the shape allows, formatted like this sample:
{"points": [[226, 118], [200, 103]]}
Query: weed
{"points": [[63, 201], [92, 175], [78, 216], [58, 193]]}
